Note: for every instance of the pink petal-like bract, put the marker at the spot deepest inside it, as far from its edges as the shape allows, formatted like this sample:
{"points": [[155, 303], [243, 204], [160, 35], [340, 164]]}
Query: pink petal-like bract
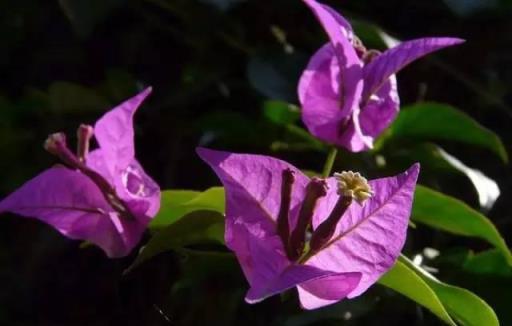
{"points": [[378, 71], [369, 237], [81, 208], [253, 195], [116, 155], [348, 94]]}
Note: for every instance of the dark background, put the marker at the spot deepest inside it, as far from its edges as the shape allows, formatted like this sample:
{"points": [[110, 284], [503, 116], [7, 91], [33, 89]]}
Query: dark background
{"points": [[212, 64]]}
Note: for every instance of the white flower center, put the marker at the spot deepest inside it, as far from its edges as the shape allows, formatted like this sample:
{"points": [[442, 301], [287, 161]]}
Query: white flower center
{"points": [[352, 184]]}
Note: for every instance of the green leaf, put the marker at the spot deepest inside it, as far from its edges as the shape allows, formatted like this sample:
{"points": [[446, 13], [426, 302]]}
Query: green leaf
{"points": [[449, 214], [405, 281], [200, 226], [433, 157], [486, 188], [431, 121], [488, 262], [372, 35], [464, 306], [306, 137], [280, 112], [177, 203], [426, 153]]}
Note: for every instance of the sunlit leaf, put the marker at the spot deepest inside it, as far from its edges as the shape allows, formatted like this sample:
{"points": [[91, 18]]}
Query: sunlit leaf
{"points": [[449, 214], [280, 112], [434, 157], [462, 305], [406, 282], [487, 189], [177, 203], [372, 35]]}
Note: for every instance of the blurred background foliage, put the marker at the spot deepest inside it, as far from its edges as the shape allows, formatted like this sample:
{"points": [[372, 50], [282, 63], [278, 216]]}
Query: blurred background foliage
{"points": [[224, 74]]}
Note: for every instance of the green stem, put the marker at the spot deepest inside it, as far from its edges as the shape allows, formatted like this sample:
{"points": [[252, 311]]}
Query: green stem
{"points": [[329, 162]]}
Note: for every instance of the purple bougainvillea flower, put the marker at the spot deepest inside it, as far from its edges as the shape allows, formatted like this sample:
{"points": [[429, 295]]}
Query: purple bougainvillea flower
{"points": [[288, 230], [104, 196], [348, 93]]}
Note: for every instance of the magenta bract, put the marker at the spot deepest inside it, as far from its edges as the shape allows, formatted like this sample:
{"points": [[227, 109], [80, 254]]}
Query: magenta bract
{"points": [[364, 244], [103, 197], [348, 93]]}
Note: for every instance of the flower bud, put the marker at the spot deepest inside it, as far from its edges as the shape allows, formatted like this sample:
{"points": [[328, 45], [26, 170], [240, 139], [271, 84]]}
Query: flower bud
{"points": [[84, 135], [56, 144]]}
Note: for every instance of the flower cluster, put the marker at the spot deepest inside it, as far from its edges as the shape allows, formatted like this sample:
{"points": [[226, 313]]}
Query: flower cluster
{"points": [[331, 238], [288, 230]]}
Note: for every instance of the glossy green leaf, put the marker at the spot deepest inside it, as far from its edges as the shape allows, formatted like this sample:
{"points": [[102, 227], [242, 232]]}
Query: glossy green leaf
{"points": [[433, 157], [449, 214], [464, 306], [431, 121], [488, 262], [280, 112], [371, 34], [405, 281], [486, 188], [200, 226], [177, 203], [426, 153]]}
